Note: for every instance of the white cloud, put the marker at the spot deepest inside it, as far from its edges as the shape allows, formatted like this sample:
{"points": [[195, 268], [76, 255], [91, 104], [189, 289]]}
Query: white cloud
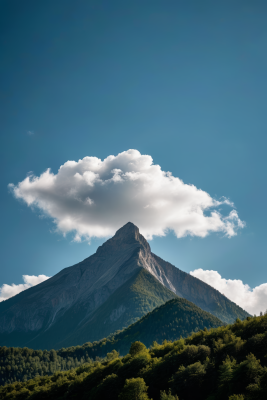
{"points": [[30, 133], [251, 300], [92, 197], [7, 291]]}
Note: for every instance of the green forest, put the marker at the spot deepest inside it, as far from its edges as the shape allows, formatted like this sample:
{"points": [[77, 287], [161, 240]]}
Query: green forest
{"points": [[224, 363], [177, 317]]}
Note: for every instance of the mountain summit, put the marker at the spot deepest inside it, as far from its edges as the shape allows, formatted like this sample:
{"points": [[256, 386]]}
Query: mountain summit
{"points": [[107, 291], [125, 238]]}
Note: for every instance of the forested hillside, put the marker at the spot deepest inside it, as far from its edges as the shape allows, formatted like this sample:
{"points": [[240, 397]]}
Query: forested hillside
{"points": [[228, 362], [177, 317], [18, 364]]}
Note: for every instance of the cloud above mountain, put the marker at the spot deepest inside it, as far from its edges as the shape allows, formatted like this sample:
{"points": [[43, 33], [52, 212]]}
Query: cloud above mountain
{"points": [[7, 291], [93, 198], [252, 300]]}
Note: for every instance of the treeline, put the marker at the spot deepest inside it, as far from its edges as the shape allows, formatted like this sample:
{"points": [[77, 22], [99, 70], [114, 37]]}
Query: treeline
{"points": [[229, 362], [22, 364], [177, 317]]}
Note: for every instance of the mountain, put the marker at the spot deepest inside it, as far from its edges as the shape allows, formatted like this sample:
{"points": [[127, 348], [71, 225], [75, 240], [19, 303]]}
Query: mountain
{"points": [[70, 303], [225, 363], [177, 317], [137, 296]]}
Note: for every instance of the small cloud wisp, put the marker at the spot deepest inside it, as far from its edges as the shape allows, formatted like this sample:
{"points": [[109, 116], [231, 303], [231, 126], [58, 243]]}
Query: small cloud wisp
{"points": [[7, 291]]}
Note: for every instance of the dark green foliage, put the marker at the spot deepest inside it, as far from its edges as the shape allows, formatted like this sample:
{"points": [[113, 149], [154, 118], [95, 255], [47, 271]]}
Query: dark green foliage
{"points": [[22, 364], [214, 364], [112, 355], [167, 396], [134, 389], [136, 348]]}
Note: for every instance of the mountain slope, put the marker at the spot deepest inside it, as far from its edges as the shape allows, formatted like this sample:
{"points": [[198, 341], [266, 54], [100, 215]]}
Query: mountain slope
{"points": [[135, 298], [199, 292], [63, 304]]}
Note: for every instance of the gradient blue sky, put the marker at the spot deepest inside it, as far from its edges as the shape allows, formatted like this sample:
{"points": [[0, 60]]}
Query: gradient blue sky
{"points": [[182, 81]]}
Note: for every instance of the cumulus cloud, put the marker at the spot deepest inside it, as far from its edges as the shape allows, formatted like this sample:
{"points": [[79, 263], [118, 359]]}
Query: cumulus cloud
{"points": [[252, 300], [93, 198], [7, 291]]}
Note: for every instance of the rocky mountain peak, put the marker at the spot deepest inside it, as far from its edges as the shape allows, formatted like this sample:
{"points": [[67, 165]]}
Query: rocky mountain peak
{"points": [[126, 236], [128, 230]]}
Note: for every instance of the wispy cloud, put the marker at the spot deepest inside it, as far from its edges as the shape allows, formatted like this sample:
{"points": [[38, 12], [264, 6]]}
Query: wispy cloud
{"points": [[30, 133], [92, 197], [251, 300], [7, 291]]}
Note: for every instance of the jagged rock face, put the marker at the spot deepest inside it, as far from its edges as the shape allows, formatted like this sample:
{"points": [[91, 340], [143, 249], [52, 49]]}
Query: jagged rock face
{"points": [[81, 289]]}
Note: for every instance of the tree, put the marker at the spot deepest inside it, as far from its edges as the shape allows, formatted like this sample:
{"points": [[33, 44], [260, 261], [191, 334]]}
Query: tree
{"points": [[226, 371], [137, 347], [112, 355], [134, 389], [168, 396], [236, 397]]}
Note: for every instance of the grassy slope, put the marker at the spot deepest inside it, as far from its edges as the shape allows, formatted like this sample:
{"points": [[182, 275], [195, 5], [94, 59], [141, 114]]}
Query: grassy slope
{"points": [[209, 365]]}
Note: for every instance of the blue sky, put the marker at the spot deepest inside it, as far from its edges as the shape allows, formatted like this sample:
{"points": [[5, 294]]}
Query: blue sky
{"points": [[184, 82]]}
